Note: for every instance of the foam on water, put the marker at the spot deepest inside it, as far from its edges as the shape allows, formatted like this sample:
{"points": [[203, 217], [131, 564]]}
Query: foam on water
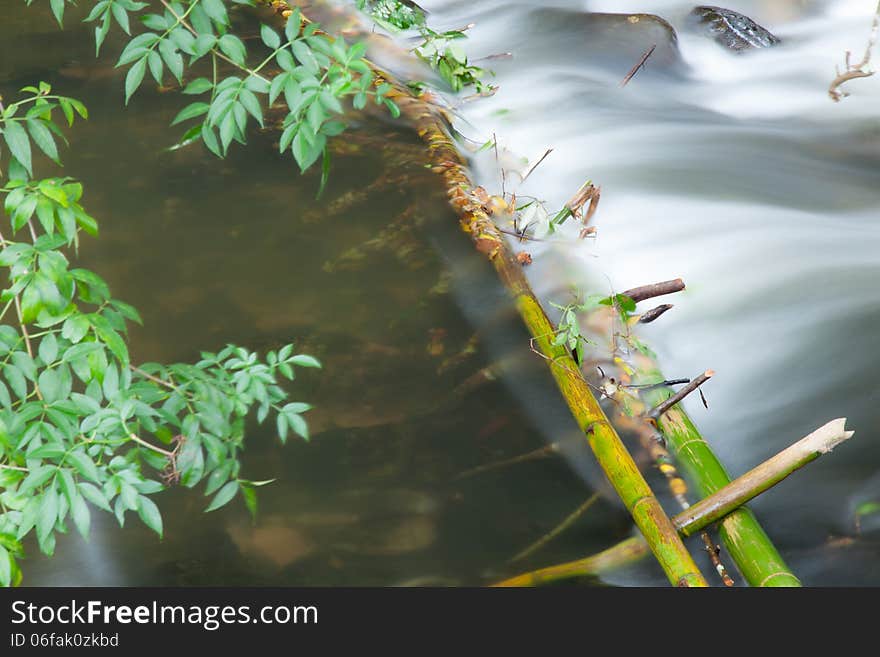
{"points": [[741, 176]]}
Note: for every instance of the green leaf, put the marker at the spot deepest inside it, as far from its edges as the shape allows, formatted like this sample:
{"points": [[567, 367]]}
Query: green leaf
{"points": [[218, 477], [293, 25], [216, 10], [111, 382], [303, 360], [85, 466], [58, 10], [46, 214], [74, 329], [23, 212], [5, 567], [198, 86], [127, 310], [149, 514], [97, 291], [270, 37], [252, 105], [5, 399], [121, 17], [23, 361], [191, 111], [94, 495], [250, 500], [232, 47], [298, 424], [211, 142], [19, 145], [47, 514], [43, 138], [305, 56], [282, 426], [78, 508], [224, 496], [173, 60], [156, 67], [134, 77], [16, 381], [50, 385], [48, 349]]}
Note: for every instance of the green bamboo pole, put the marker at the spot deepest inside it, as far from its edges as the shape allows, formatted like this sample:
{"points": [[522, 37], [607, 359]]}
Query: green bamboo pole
{"points": [[614, 459], [759, 479], [745, 540], [702, 514], [622, 554]]}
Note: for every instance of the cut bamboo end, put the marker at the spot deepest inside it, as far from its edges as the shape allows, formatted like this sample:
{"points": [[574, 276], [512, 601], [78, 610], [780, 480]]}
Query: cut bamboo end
{"points": [[762, 477], [826, 437]]}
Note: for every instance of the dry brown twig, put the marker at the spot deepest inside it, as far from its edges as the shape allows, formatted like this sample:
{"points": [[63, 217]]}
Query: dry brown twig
{"points": [[639, 65], [854, 71]]}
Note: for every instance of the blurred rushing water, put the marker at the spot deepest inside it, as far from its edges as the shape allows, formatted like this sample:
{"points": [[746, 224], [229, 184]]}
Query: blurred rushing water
{"points": [[735, 172]]}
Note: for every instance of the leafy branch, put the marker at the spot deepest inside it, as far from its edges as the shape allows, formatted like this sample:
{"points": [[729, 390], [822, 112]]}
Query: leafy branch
{"points": [[440, 50], [314, 74], [80, 425]]}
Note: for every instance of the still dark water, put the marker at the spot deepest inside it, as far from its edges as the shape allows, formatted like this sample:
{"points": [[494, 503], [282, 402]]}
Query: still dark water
{"points": [[239, 251]]}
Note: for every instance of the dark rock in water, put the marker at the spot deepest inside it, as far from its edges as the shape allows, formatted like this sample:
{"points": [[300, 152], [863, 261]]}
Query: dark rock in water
{"points": [[614, 42], [731, 29]]}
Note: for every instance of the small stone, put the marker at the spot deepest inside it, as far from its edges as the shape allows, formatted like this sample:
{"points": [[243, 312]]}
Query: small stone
{"points": [[732, 30]]}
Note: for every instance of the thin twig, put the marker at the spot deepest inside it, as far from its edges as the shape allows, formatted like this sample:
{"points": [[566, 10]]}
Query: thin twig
{"points": [[859, 70], [654, 290], [660, 409], [654, 313], [569, 520], [141, 441], [537, 164], [635, 69], [714, 552], [154, 379], [534, 455]]}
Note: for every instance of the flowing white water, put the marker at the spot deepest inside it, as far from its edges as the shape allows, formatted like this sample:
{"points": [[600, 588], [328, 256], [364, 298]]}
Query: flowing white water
{"points": [[739, 174]]}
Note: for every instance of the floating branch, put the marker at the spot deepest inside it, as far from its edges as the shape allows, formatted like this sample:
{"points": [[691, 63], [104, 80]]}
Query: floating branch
{"points": [[641, 63], [666, 404], [534, 455], [654, 313], [622, 554], [537, 164], [595, 195], [569, 520], [656, 290], [714, 552]]}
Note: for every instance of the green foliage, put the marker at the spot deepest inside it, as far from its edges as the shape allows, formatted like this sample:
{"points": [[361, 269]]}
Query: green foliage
{"points": [[80, 426], [440, 50], [444, 54], [394, 14], [568, 329], [314, 74]]}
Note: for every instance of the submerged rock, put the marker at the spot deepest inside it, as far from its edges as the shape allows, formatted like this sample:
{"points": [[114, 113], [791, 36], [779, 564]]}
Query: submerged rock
{"points": [[613, 42], [732, 30]]}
